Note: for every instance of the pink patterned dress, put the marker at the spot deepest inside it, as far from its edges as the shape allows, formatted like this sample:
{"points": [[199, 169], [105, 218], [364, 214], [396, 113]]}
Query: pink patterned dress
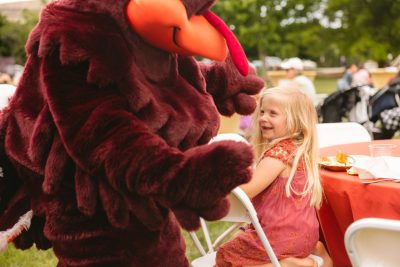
{"points": [[290, 223]]}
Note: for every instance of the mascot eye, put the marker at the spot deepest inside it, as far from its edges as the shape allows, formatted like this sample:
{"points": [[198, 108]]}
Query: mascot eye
{"points": [[176, 29]]}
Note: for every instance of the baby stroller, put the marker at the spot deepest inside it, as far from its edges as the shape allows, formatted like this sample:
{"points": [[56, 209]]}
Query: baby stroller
{"points": [[384, 111], [338, 105]]}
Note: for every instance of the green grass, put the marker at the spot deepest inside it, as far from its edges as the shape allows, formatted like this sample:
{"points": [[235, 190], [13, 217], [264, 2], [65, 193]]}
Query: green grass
{"points": [[325, 85], [215, 229], [33, 257]]}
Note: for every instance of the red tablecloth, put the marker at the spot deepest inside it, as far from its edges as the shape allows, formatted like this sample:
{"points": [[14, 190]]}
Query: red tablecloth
{"points": [[347, 200]]}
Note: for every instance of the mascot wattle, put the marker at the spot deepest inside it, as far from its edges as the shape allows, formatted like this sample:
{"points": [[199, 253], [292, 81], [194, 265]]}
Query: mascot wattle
{"points": [[105, 139]]}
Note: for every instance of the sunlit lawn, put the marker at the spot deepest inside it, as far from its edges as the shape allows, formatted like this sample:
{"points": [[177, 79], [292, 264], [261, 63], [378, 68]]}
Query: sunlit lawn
{"points": [[325, 85], [33, 257]]}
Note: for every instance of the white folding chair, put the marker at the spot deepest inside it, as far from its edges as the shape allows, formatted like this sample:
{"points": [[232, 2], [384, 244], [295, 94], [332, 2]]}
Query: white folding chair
{"points": [[6, 92], [229, 136], [337, 133], [373, 242], [241, 211]]}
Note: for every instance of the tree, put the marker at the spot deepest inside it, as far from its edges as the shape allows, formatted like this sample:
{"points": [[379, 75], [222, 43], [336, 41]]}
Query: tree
{"points": [[369, 29], [13, 35], [266, 27], [321, 30]]}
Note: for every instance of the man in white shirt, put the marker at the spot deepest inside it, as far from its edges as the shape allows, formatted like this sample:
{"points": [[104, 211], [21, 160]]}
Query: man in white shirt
{"points": [[294, 68]]}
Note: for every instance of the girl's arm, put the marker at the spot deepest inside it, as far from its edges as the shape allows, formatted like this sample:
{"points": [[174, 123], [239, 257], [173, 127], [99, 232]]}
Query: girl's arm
{"points": [[265, 173]]}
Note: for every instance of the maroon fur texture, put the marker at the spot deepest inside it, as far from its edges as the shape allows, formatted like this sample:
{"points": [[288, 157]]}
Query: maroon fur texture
{"points": [[197, 7], [107, 138]]}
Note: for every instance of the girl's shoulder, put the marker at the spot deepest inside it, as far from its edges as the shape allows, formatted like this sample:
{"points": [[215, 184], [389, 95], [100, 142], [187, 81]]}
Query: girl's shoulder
{"points": [[284, 150]]}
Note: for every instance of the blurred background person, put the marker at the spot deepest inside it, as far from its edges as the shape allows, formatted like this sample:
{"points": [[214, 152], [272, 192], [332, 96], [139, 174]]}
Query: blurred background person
{"points": [[363, 81], [245, 126], [295, 78], [362, 77], [5, 78], [246, 121], [346, 80], [395, 79]]}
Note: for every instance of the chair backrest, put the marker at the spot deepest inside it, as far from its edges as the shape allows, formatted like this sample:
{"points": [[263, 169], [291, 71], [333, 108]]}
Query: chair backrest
{"points": [[6, 92], [228, 136], [337, 133], [373, 242], [241, 211]]}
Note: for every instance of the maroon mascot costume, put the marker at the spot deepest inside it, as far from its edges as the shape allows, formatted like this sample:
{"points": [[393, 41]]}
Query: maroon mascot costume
{"points": [[105, 139]]}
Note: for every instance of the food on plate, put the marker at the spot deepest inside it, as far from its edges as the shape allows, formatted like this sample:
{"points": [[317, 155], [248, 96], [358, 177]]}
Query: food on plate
{"points": [[339, 162], [341, 157]]}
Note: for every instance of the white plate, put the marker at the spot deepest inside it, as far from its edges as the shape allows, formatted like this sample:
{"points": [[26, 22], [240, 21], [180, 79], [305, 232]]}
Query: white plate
{"points": [[333, 165]]}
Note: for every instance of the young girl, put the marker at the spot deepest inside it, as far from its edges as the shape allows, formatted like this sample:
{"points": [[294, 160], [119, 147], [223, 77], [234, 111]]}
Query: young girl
{"points": [[285, 188]]}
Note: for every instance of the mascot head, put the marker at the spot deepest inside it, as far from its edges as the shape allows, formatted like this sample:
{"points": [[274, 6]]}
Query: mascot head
{"points": [[185, 27]]}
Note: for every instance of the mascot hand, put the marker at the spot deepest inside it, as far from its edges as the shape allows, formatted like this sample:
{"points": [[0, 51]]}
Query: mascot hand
{"points": [[189, 218], [210, 173], [231, 91], [33, 236]]}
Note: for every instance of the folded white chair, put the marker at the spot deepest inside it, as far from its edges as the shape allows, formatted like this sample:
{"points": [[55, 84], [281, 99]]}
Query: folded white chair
{"points": [[241, 212], [229, 136], [373, 242], [338, 133], [6, 92]]}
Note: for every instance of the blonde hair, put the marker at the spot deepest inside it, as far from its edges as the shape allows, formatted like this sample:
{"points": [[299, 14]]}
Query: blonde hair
{"points": [[301, 124]]}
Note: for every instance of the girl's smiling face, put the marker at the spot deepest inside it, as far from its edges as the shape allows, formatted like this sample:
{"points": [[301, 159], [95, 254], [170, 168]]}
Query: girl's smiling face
{"points": [[272, 119]]}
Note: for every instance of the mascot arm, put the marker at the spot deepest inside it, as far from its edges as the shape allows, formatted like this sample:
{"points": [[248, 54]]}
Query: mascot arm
{"points": [[231, 91], [103, 137]]}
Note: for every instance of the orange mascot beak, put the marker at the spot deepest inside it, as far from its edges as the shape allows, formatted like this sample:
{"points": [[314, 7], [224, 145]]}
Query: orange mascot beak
{"points": [[165, 25]]}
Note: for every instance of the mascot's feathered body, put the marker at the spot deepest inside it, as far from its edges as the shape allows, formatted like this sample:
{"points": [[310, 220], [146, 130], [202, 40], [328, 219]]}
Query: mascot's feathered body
{"points": [[106, 139]]}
